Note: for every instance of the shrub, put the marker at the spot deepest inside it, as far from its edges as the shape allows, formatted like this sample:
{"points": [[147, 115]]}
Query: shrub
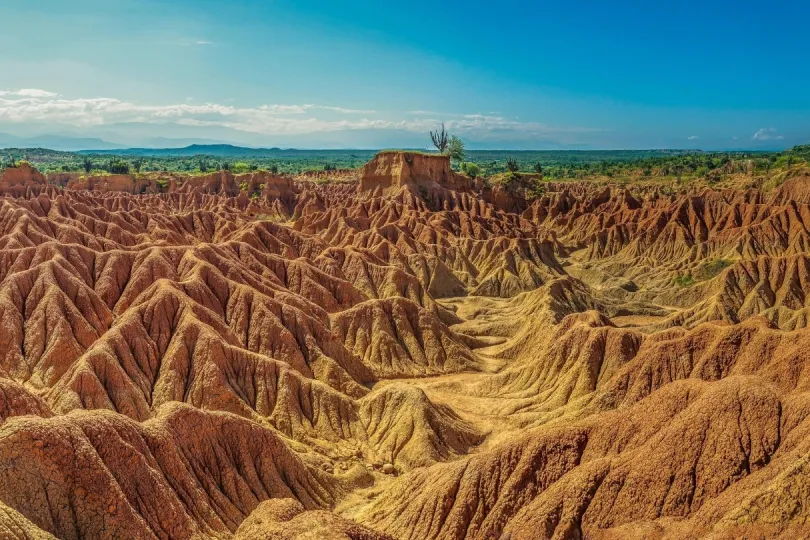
{"points": [[512, 165], [455, 149], [472, 169], [538, 189]]}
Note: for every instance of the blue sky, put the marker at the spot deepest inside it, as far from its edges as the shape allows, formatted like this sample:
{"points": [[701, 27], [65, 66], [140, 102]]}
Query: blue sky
{"points": [[510, 74]]}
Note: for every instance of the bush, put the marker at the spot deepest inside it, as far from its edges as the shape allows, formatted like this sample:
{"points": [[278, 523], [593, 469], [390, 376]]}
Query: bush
{"points": [[512, 165], [472, 169], [455, 149], [538, 189]]}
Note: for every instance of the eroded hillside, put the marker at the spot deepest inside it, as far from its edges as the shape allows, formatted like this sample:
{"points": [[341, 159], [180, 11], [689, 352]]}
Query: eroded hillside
{"points": [[404, 353]]}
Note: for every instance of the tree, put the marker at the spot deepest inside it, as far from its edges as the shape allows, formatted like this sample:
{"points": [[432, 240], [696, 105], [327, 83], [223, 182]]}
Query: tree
{"points": [[455, 149], [203, 166], [274, 168], [512, 165], [137, 164], [440, 140], [87, 165], [538, 168], [118, 166]]}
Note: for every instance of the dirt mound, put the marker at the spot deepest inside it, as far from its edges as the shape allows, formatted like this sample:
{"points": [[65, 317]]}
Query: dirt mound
{"points": [[286, 519], [398, 338], [86, 474], [408, 430], [21, 175]]}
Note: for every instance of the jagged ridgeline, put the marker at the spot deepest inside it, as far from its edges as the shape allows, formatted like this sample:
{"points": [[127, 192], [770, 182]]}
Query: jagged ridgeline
{"points": [[403, 351]]}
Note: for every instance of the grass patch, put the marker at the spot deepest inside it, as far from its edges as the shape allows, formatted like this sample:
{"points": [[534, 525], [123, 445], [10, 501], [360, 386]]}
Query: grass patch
{"points": [[684, 281], [415, 152], [709, 269], [706, 271]]}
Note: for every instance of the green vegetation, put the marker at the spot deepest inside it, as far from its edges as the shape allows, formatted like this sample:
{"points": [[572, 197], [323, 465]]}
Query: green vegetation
{"points": [[455, 149], [707, 270], [118, 166], [711, 268], [472, 169], [538, 188], [617, 166], [684, 281]]}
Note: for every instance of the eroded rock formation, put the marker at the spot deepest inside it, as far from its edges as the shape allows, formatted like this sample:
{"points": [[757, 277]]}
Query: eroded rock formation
{"points": [[409, 355]]}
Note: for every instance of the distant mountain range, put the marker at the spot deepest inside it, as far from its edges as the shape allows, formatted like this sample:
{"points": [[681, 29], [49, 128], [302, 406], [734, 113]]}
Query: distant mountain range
{"points": [[215, 150], [56, 142]]}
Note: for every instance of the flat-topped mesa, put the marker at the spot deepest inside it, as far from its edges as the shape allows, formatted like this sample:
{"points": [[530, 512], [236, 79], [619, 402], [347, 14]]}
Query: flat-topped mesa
{"points": [[22, 175], [393, 170]]}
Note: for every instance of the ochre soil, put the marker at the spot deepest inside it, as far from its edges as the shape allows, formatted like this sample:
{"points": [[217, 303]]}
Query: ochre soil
{"points": [[410, 354]]}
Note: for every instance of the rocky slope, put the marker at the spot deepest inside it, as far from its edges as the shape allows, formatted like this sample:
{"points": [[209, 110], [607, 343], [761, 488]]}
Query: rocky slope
{"points": [[411, 354]]}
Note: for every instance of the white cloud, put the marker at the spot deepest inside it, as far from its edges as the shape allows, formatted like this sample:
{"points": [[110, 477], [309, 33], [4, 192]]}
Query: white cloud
{"points": [[431, 113], [28, 92], [693, 138], [204, 43], [343, 110], [767, 134], [272, 119]]}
